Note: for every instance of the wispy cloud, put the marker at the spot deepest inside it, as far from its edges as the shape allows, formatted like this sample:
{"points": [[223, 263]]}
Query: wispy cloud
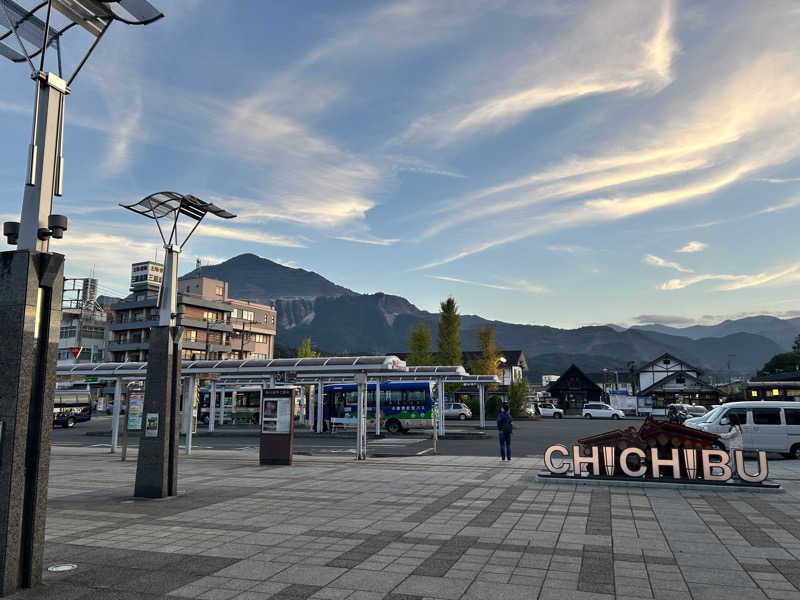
{"points": [[656, 261], [568, 249], [522, 286], [370, 241], [692, 247], [786, 275], [632, 64], [679, 284]]}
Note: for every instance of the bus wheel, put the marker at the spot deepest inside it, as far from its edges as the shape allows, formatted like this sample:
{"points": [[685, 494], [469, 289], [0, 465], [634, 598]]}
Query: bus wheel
{"points": [[70, 422], [393, 426]]}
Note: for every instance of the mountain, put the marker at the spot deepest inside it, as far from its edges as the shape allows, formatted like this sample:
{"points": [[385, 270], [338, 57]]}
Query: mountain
{"points": [[782, 331], [251, 277], [342, 321]]}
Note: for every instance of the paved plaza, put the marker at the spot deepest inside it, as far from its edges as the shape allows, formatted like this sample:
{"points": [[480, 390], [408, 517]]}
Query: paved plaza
{"points": [[404, 529]]}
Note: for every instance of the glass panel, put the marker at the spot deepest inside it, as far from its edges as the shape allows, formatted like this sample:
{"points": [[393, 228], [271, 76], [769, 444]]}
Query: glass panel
{"points": [[767, 416], [739, 412], [792, 416]]}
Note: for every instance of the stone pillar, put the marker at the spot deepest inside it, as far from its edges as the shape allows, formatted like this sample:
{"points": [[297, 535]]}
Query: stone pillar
{"points": [[157, 466], [31, 285]]}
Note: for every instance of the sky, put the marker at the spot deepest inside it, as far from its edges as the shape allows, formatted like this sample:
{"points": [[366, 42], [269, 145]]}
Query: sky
{"points": [[555, 163]]}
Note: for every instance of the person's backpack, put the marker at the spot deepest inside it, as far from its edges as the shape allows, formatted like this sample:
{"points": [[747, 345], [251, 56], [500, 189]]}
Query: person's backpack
{"points": [[507, 424]]}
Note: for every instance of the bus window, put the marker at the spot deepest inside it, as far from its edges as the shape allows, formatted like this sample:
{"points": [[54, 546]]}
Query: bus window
{"points": [[416, 398]]}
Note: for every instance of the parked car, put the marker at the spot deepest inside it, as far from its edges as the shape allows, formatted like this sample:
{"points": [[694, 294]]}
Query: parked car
{"points": [[545, 409], [71, 407], [677, 413], [457, 410], [601, 410], [768, 425], [696, 410]]}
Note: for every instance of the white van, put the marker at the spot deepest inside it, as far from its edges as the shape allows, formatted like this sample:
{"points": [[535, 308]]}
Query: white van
{"points": [[766, 425]]}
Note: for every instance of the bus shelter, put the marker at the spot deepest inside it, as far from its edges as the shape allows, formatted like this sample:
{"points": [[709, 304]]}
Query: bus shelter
{"points": [[255, 368], [441, 375]]}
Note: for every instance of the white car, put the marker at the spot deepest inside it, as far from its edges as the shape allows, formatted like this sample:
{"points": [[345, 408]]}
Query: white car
{"points": [[599, 410], [546, 409], [770, 425]]}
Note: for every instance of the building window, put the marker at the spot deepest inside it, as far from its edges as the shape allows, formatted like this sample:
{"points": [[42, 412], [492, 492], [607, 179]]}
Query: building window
{"points": [[248, 315], [191, 335], [210, 316], [218, 291], [680, 379]]}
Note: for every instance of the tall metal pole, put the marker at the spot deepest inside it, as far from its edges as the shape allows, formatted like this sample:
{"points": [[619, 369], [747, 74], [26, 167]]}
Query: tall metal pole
{"points": [[32, 281], [157, 463]]}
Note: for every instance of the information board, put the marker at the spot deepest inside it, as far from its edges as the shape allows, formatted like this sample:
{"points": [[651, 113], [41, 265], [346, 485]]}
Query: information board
{"points": [[277, 426], [135, 410], [276, 414]]}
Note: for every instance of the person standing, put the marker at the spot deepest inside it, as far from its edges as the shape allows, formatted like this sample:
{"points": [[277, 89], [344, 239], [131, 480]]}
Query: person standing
{"points": [[504, 427], [735, 441]]}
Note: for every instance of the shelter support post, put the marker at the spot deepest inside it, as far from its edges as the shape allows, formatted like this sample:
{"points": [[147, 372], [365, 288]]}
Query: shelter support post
{"points": [[361, 431], [212, 406], [189, 412], [116, 412], [320, 412], [31, 285], [482, 401], [378, 407], [440, 388]]}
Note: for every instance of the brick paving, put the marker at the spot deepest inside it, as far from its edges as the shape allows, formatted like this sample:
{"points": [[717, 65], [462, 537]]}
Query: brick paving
{"points": [[406, 529]]}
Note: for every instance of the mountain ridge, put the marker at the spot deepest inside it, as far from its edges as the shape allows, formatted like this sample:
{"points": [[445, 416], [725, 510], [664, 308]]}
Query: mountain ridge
{"points": [[340, 320]]}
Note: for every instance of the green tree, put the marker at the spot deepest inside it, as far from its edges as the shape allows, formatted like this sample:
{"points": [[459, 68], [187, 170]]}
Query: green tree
{"points": [[419, 345], [305, 351], [782, 363], [796, 344], [486, 363], [517, 392], [449, 334]]}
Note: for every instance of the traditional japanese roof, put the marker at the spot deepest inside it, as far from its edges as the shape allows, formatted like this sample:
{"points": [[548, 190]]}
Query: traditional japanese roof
{"points": [[673, 358], [652, 434], [696, 386], [788, 376], [573, 379]]}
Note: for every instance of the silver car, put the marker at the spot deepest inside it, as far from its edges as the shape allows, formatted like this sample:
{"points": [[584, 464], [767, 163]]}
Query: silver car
{"points": [[457, 410]]}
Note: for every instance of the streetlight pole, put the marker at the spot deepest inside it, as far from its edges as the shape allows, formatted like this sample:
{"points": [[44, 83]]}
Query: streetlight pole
{"points": [[157, 466], [32, 279]]}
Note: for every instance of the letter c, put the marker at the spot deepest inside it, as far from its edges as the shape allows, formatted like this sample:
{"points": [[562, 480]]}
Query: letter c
{"points": [[548, 459]]}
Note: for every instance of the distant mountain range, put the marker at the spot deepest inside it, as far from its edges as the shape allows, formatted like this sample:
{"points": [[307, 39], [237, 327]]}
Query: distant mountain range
{"points": [[342, 321]]}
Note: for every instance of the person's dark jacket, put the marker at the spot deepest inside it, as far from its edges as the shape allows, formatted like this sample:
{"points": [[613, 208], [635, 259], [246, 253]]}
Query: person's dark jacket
{"points": [[504, 421]]}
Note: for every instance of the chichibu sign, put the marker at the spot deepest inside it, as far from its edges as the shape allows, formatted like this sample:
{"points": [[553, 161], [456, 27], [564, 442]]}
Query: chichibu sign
{"points": [[708, 464]]}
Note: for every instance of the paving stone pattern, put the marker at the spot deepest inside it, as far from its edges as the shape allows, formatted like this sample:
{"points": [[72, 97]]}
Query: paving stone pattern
{"points": [[442, 528]]}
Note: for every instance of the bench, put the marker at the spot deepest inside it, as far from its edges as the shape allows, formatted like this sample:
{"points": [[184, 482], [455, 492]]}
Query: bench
{"points": [[343, 422]]}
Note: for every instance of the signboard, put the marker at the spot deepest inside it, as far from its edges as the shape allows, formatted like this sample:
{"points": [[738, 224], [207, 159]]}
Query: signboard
{"points": [[710, 465], [75, 351], [277, 426], [135, 410], [151, 425], [90, 380]]}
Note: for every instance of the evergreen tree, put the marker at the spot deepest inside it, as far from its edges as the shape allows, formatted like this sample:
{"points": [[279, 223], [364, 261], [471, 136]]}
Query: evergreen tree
{"points": [[486, 364], [449, 334], [419, 345], [517, 392], [305, 351]]}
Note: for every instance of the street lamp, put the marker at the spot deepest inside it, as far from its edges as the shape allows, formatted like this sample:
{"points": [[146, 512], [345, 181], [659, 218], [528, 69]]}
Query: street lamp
{"points": [[157, 466], [32, 277]]}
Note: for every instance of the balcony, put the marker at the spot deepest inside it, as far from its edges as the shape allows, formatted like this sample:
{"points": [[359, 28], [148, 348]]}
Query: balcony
{"points": [[127, 325], [124, 347], [212, 325]]}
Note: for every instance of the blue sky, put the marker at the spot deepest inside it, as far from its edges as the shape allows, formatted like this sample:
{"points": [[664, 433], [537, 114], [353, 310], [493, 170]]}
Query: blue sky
{"points": [[543, 162]]}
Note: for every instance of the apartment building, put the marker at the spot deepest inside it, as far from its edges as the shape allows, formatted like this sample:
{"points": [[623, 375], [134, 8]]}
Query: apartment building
{"points": [[253, 324], [215, 327], [206, 322]]}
